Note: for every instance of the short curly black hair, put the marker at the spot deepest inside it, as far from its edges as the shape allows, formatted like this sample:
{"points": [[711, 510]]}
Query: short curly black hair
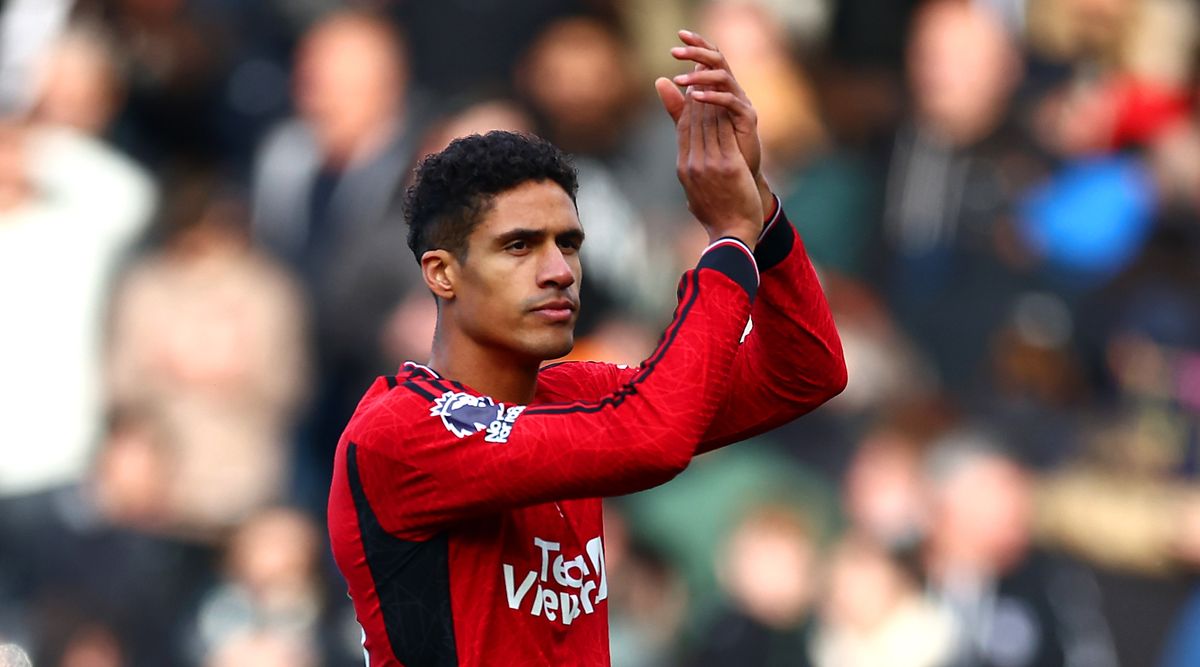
{"points": [[453, 189]]}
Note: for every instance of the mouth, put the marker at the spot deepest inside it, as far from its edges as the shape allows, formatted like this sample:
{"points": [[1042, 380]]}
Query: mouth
{"points": [[556, 311]]}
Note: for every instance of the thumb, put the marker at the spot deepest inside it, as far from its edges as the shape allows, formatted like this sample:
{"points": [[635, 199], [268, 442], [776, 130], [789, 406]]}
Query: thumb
{"points": [[671, 97]]}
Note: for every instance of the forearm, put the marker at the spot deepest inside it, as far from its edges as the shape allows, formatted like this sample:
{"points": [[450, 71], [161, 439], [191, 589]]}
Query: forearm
{"points": [[792, 360]]}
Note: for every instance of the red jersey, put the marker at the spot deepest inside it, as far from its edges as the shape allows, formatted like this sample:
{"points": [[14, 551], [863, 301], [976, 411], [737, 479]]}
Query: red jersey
{"points": [[469, 531]]}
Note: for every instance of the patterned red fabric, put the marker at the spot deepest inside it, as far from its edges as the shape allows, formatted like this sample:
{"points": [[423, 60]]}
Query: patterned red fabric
{"points": [[470, 532]]}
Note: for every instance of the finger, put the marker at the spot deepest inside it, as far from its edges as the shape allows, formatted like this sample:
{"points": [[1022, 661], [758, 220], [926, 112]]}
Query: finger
{"points": [[696, 144], [695, 39], [708, 57], [717, 79], [726, 139], [683, 137], [740, 110], [708, 116], [672, 98]]}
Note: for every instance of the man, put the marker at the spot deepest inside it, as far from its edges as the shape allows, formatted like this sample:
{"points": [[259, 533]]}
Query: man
{"points": [[465, 510], [324, 185]]}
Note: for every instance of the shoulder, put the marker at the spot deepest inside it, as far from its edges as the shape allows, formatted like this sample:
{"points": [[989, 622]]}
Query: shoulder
{"points": [[391, 410]]}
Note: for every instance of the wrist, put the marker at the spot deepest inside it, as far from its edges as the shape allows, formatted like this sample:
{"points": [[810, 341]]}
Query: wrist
{"points": [[768, 199], [746, 232]]}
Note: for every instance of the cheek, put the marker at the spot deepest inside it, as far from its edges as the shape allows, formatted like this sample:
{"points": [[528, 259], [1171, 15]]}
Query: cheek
{"points": [[490, 303]]}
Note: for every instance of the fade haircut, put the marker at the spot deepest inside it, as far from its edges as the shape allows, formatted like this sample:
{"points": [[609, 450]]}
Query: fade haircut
{"points": [[453, 189]]}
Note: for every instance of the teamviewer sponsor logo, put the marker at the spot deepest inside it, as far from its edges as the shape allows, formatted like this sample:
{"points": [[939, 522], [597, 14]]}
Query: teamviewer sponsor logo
{"points": [[566, 586], [465, 414]]}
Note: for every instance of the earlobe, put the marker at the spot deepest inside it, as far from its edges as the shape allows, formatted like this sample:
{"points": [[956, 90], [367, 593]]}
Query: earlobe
{"points": [[438, 270]]}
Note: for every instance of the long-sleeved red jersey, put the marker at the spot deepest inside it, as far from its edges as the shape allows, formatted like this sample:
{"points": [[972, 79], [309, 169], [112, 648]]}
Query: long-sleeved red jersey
{"points": [[469, 531]]}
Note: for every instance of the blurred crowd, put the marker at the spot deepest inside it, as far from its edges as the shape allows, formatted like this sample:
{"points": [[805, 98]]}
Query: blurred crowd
{"points": [[202, 266]]}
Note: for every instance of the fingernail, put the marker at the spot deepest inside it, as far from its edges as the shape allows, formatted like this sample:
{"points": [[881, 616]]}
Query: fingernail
{"points": [[677, 49], [680, 79]]}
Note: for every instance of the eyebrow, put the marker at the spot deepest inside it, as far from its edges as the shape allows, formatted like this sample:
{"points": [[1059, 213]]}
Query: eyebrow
{"points": [[575, 236]]}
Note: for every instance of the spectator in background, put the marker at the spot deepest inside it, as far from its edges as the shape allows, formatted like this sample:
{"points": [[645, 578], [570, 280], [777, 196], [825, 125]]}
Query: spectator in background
{"points": [[69, 207], [97, 576], [209, 335], [271, 596], [769, 572], [79, 84], [325, 193], [874, 614], [333, 169], [1014, 606], [647, 598], [883, 490], [1126, 70], [1129, 502], [950, 271], [174, 58], [1128, 66]]}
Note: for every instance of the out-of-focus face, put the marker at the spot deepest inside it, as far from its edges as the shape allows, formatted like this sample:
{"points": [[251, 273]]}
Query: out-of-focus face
{"points": [[769, 569], [962, 69], [982, 514], [479, 119], [1100, 22], [883, 492], [276, 549], [577, 76], [517, 289], [79, 86], [864, 584], [349, 81]]}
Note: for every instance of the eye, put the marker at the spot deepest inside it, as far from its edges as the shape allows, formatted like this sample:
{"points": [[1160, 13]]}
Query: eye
{"points": [[571, 245], [517, 246]]}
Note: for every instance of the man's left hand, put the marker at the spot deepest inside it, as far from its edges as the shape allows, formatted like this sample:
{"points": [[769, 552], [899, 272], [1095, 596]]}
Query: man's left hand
{"points": [[712, 82]]}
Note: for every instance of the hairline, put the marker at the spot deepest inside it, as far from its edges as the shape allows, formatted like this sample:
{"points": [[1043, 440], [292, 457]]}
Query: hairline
{"points": [[487, 202]]}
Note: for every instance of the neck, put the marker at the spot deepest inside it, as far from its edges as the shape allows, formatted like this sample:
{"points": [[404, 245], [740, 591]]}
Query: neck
{"points": [[488, 370]]}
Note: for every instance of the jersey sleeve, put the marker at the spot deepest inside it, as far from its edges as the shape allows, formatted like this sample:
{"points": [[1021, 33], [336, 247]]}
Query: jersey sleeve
{"points": [[450, 457], [791, 360]]}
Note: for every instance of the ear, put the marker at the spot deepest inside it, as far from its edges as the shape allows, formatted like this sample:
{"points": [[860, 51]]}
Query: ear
{"points": [[439, 268]]}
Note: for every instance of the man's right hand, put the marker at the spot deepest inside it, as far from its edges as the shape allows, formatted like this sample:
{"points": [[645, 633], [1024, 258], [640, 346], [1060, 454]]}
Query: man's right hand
{"points": [[721, 191]]}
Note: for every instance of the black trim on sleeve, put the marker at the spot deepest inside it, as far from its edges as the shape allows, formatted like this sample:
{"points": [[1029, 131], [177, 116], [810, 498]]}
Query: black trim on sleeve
{"points": [[412, 580], [776, 244], [733, 258]]}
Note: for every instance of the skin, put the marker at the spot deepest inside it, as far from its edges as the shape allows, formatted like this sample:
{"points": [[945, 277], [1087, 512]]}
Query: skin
{"points": [[511, 302], [349, 85]]}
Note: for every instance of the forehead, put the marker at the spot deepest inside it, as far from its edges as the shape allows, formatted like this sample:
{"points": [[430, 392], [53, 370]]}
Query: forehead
{"points": [[533, 205]]}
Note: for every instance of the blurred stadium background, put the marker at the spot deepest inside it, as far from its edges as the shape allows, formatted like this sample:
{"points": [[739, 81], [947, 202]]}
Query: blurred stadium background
{"points": [[202, 264]]}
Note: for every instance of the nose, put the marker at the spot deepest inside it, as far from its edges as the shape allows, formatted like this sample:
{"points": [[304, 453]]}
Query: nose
{"points": [[556, 270]]}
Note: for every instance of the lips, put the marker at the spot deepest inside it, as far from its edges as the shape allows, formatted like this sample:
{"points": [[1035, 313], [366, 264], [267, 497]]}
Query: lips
{"points": [[558, 310]]}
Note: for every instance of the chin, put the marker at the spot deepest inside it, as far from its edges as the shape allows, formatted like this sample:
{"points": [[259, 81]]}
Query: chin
{"points": [[546, 349], [557, 351]]}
